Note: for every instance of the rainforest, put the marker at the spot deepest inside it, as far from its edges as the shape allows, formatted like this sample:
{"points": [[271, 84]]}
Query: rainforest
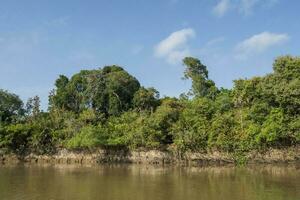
{"points": [[109, 108]]}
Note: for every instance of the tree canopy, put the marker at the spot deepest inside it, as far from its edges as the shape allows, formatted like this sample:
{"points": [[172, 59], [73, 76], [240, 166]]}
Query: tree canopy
{"points": [[198, 73], [109, 90], [107, 107]]}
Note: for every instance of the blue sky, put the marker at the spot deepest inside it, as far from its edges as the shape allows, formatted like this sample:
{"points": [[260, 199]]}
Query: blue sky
{"points": [[235, 39]]}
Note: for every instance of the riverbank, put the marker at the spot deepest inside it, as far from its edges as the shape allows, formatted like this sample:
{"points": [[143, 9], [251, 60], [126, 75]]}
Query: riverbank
{"points": [[150, 157]]}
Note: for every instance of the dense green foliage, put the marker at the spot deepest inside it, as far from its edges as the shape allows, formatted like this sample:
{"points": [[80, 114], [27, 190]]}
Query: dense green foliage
{"points": [[10, 107], [108, 108], [109, 91]]}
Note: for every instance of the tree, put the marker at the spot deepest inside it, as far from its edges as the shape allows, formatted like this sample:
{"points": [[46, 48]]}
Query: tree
{"points": [[286, 82], [273, 129], [163, 118], [59, 97], [33, 106], [197, 72], [11, 106], [108, 108], [109, 90], [15, 137], [191, 129], [146, 99]]}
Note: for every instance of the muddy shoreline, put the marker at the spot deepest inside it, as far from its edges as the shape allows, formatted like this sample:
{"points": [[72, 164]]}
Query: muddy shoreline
{"points": [[155, 157]]}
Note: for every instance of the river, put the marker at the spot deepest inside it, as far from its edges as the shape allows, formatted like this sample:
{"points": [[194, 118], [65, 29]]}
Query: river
{"points": [[138, 182]]}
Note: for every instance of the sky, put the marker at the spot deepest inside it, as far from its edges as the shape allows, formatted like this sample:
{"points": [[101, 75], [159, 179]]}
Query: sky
{"points": [[40, 40]]}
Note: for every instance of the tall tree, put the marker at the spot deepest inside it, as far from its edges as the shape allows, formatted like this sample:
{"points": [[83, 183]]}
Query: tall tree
{"points": [[198, 73], [109, 90]]}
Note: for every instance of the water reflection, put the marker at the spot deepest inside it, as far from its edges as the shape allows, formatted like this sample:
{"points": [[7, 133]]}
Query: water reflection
{"points": [[149, 182]]}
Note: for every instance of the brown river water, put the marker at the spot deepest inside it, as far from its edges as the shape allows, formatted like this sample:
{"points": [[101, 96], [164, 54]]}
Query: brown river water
{"points": [[138, 182]]}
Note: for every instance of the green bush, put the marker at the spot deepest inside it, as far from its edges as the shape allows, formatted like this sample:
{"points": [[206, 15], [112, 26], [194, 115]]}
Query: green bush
{"points": [[15, 137], [88, 137]]}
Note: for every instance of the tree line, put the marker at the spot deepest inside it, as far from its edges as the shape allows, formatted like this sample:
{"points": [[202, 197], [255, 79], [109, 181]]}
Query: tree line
{"points": [[108, 108]]}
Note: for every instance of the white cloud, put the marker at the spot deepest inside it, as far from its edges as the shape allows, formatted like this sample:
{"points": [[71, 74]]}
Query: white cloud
{"points": [[260, 43], [221, 8], [244, 7], [175, 47], [175, 57]]}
